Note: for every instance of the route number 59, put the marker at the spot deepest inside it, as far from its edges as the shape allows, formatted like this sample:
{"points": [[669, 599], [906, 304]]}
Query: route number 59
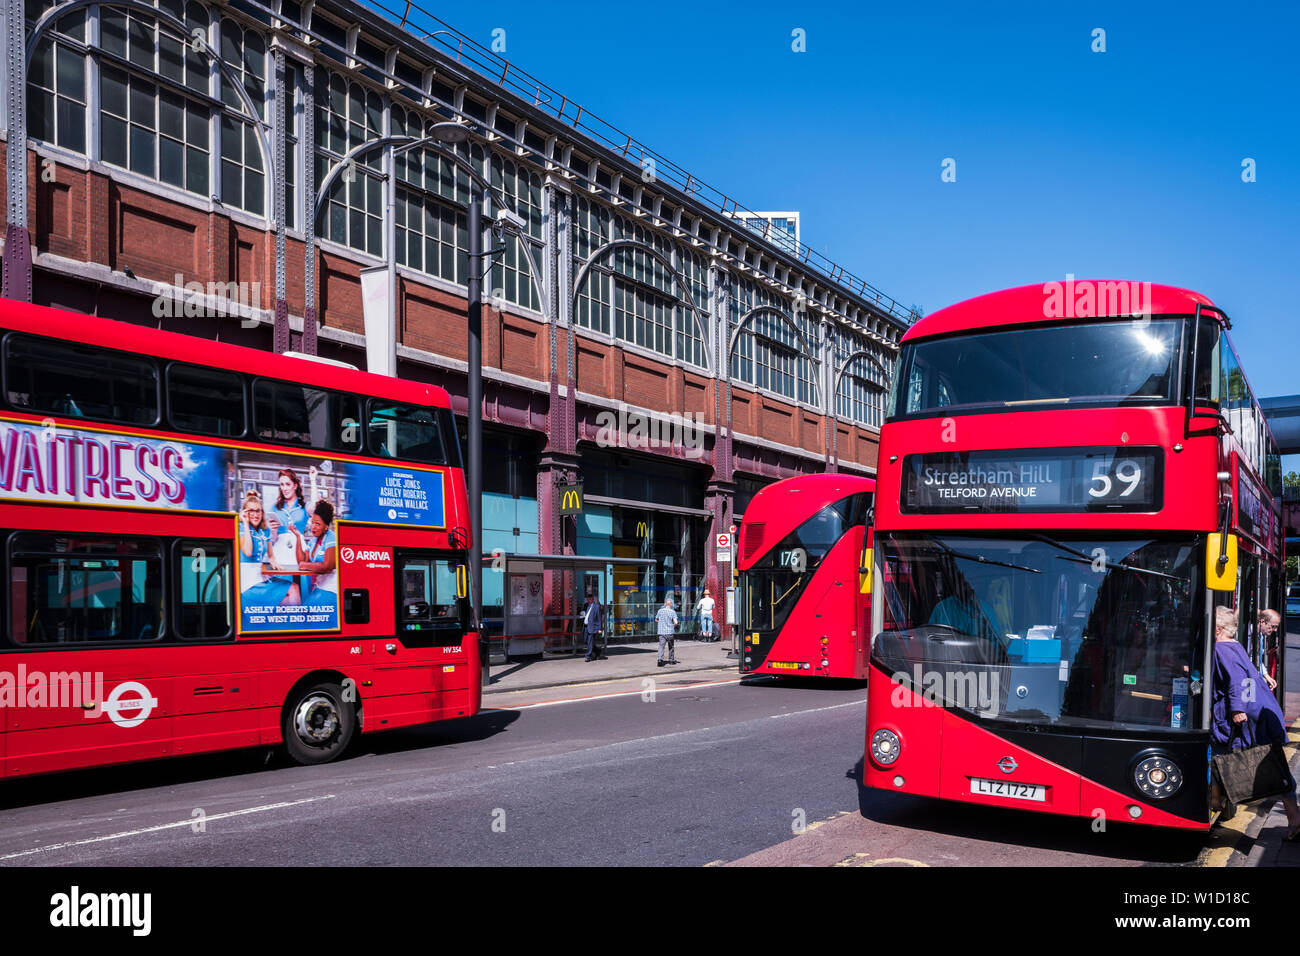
{"points": [[1127, 471]]}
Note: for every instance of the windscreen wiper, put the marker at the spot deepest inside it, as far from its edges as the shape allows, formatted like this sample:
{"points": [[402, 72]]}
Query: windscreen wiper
{"points": [[980, 559], [1081, 557]]}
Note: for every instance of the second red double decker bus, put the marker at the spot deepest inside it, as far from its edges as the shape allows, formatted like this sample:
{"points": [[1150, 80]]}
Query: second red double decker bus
{"points": [[208, 547], [804, 592], [1073, 476]]}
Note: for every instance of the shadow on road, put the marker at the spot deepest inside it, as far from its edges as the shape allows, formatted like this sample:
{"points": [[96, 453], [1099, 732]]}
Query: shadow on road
{"points": [[463, 730], [803, 683], [133, 777], [1044, 831]]}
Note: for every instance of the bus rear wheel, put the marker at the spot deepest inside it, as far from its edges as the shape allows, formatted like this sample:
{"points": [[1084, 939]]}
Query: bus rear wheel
{"points": [[318, 723]]}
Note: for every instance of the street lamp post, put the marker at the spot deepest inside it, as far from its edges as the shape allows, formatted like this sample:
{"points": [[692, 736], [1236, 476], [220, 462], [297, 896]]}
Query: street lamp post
{"points": [[474, 372], [451, 134]]}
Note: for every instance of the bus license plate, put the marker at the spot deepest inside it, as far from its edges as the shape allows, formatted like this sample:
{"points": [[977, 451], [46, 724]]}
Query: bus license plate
{"points": [[1009, 788], [784, 665]]}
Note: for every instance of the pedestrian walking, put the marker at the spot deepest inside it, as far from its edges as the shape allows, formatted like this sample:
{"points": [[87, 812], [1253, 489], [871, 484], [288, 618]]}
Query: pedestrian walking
{"points": [[666, 622], [1244, 711], [1269, 621], [592, 624], [705, 609]]}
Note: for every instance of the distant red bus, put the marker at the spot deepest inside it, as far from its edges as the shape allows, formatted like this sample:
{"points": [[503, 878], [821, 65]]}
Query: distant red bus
{"points": [[1072, 478], [802, 603], [210, 547]]}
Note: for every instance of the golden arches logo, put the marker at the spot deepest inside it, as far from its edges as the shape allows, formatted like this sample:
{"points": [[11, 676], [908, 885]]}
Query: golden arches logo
{"points": [[641, 529], [571, 500]]}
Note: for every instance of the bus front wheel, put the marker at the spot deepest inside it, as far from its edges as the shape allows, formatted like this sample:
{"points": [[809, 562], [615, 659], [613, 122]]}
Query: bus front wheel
{"points": [[318, 723]]}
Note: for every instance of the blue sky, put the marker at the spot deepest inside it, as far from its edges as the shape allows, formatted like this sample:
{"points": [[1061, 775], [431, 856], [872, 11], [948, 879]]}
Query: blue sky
{"points": [[1125, 164]]}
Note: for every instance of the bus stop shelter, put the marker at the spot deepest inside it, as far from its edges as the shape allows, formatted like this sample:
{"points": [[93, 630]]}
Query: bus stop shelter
{"points": [[545, 595]]}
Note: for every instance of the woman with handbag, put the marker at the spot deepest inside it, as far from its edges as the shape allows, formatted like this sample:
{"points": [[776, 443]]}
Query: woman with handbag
{"points": [[1244, 712]]}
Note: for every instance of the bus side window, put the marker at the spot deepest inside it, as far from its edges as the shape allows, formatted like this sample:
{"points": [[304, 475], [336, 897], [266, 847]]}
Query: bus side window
{"points": [[205, 400], [202, 590], [68, 589], [80, 381], [405, 431], [300, 415]]}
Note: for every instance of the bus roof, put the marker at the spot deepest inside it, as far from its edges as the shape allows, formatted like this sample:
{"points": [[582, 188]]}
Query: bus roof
{"points": [[128, 337], [1055, 301], [784, 505]]}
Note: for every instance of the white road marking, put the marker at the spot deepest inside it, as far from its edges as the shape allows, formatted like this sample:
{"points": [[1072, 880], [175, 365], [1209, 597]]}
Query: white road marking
{"points": [[815, 710], [624, 693], [166, 826]]}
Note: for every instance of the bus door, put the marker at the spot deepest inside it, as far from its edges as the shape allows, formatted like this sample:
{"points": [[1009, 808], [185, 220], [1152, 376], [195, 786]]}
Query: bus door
{"points": [[769, 594], [432, 611]]}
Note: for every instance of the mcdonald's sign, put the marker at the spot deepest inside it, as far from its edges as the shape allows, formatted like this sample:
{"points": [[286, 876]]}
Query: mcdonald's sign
{"points": [[570, 497], [641, 529]]}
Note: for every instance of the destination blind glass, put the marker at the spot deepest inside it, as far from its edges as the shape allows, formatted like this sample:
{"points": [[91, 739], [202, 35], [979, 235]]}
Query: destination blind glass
{"points": [[1034, 480]]}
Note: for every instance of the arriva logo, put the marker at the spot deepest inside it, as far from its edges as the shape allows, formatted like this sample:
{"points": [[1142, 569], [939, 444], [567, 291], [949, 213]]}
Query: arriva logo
{"points": [[351, 554]]}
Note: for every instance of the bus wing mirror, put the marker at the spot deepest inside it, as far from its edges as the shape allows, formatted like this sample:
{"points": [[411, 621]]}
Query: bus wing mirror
{"points": [[1221, 561], [864, 572], [462, 581]]}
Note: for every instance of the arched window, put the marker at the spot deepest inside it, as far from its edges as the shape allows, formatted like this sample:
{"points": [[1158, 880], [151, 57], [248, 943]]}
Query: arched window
{"points": [[690, 340], [243, 176], [56, 81], [347, 115], [768, 354], [590, 232], [511, 276], [432, 196], [153, 116], [648, 308], [164, 110], [863, 386]]}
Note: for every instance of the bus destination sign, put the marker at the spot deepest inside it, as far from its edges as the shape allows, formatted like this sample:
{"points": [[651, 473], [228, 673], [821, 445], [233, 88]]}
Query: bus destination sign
{"points": [[1023, 481]]}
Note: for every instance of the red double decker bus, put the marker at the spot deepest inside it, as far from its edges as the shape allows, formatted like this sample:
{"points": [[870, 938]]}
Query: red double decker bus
{"points": [[209, 547], [804, 591], [1073, 476]]}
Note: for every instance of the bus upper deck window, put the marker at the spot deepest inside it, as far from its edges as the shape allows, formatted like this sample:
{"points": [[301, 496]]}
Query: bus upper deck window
{"points": [[80, 381], [301, 415], [409, 432], [204, 400]]}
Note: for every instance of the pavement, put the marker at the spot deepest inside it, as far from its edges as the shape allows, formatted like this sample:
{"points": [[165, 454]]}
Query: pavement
{"points": [[622, 661], [1257, 834]]}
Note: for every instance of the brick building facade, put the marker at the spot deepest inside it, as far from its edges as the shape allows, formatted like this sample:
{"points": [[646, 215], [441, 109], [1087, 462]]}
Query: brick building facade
{"points": [[150, 147]]}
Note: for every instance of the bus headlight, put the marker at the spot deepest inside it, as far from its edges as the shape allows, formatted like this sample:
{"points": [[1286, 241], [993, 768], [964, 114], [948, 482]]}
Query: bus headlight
{"points": [[885, 747], [1157, 777]]}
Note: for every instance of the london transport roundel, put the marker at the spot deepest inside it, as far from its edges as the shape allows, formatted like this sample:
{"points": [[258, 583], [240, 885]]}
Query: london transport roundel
{"points": [[117, 705]]}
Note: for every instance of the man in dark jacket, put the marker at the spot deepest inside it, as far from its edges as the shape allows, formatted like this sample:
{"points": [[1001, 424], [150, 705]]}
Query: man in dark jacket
{"points": [[592, 624]]}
